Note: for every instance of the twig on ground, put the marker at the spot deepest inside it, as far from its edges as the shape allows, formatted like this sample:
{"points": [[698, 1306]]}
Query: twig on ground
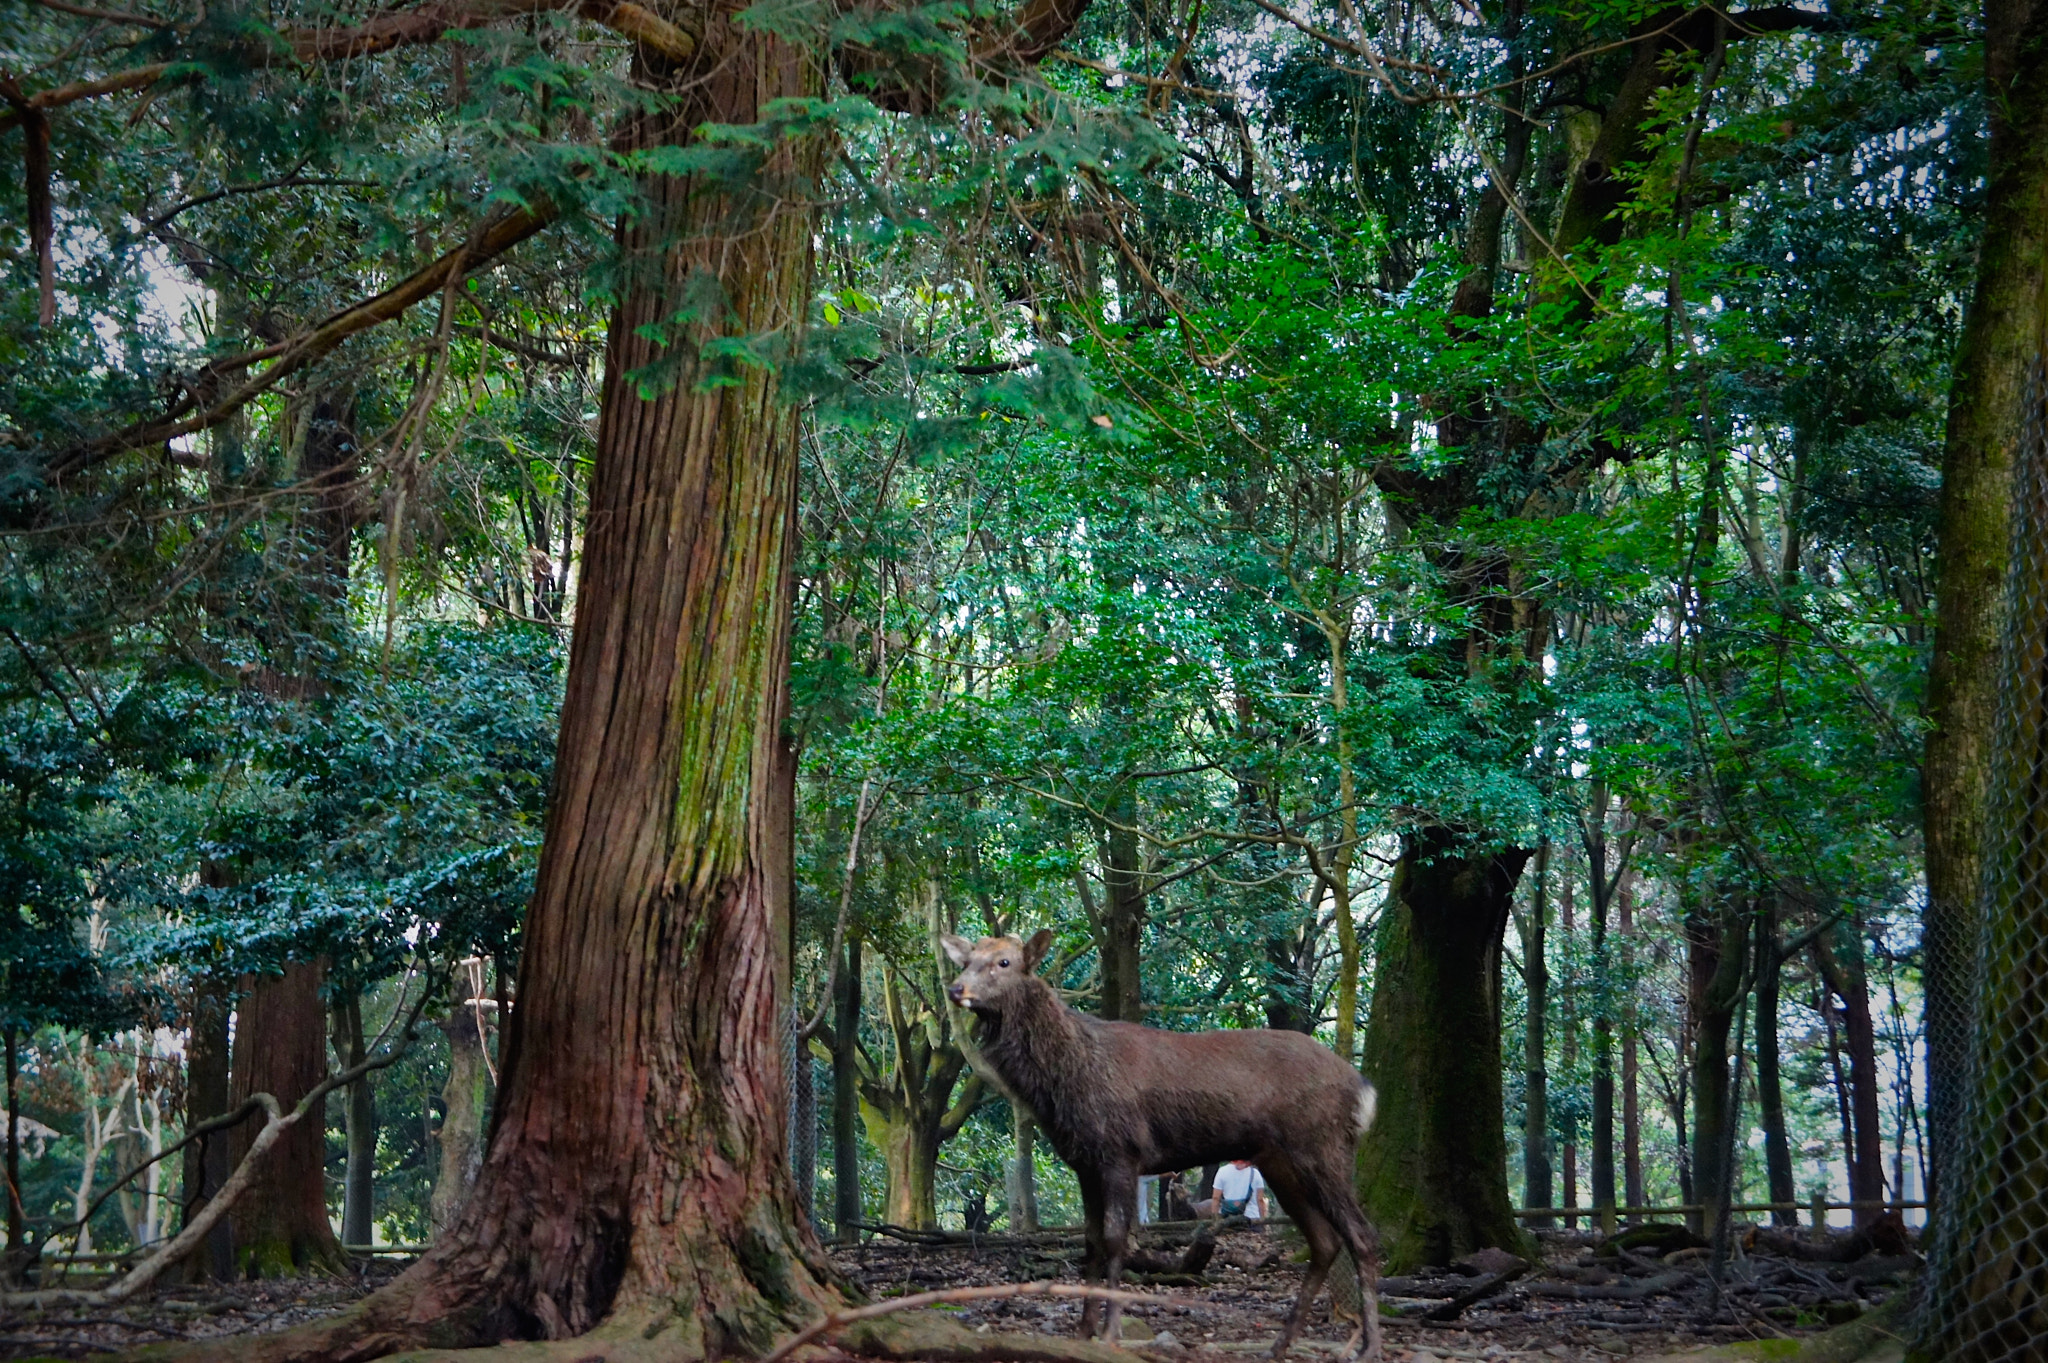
{"points": [[1481, 1290], [837, 1319]]}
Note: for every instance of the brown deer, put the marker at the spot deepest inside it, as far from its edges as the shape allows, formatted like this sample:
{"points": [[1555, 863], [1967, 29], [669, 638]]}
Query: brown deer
{"points": [[1118, 1100]]}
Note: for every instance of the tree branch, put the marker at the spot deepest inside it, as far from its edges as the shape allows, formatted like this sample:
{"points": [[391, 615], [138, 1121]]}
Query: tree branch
{"points": [[490, 242]]}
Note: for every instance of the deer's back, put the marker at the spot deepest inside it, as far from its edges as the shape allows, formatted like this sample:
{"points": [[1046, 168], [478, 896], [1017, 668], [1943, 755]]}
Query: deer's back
{"points": [[1174, 1100]]}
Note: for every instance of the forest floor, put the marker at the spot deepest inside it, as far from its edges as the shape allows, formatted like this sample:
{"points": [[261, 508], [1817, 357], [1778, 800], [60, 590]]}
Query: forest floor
{"points": [[1578, 1304]]}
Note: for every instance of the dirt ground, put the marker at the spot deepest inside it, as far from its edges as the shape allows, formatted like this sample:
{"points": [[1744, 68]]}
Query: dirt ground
{"points": [[1578, 1304]]}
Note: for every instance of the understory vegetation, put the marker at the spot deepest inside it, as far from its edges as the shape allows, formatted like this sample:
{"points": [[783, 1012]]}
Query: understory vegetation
{"points": [[1415, 524]]}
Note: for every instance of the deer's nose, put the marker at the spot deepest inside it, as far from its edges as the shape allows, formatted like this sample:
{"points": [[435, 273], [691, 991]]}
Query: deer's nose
{"points": [[957, 993]]}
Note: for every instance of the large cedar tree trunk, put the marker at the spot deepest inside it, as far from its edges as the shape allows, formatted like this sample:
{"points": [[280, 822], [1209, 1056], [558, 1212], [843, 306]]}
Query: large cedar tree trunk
{"points": [[280, 1222], [636, 1162], [1432, 1171], [635, 1185]]}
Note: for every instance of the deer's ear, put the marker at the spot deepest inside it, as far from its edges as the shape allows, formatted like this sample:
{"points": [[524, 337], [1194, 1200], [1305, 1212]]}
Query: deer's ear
{"points": [[1035, 949], [958, 949]]}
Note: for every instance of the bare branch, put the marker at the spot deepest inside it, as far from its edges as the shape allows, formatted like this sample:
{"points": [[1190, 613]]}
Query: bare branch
{"points": [[839, 1319]]}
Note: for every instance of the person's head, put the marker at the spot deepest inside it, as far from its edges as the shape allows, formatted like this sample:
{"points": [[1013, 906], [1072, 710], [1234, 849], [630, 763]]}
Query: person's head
{"points": [[1240, 1164], [992, 968]]}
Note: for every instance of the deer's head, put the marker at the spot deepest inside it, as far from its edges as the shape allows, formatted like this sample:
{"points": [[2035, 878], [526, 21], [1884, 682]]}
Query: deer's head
{"points": [[992, 969]]}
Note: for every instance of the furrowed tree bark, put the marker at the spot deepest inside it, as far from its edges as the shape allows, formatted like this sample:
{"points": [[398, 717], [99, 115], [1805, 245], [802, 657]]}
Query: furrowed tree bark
{"points": [[280, 1224], [1432, 1171], [635, 1177], [2002, 340], [1538, 1190]]}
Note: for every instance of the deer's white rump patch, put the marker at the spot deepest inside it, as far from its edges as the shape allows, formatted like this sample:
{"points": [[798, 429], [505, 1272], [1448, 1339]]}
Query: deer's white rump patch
{"points": [[1368, 1105]]}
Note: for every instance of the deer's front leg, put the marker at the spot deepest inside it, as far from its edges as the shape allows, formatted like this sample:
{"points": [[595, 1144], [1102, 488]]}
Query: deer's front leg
{"points": [[1120, 1199], [1093, 1260]]}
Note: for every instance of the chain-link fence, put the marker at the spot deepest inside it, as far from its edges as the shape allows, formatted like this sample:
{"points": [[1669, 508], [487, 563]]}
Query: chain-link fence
{"points": [[1988, 1292]]}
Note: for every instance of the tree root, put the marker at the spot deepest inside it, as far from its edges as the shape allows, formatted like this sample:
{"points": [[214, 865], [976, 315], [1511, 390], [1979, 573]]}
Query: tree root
{"points": [[984, 1347]]}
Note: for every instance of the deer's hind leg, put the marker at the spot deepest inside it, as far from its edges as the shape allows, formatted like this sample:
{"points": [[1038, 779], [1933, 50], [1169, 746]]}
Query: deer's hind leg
{"points": [[1364, 1243], [1297, 1199]]}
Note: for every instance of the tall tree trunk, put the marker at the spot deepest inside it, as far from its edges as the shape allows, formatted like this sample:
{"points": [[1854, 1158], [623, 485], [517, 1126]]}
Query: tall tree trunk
{"points": [[1718, 948], [1535, 1057], [12, 1192], [1824, 1004], [910, 1155], [1433, 1170], [1770, 1091], [281, 1224], [1631, 1100], [1840, 955], [464, 1098], [1568, 1048], [1021, 1182], [1598, 887], [1123, 921], [360, 1109], [846, 1203], [2002, 341], [206, 1165]]}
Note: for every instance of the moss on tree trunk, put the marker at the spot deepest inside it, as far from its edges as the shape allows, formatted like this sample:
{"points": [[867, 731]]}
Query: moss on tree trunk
{"points": [[1431, 1171]]}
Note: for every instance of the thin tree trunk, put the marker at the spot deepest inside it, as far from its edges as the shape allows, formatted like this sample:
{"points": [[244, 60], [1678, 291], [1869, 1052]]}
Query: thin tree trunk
{"points": [[1824, 1004], [1021, 1185], [360, 1109], [13, 1190], [1770, 1093], [1602, 1171], [1840, 955], [281, 1224], [206, 1165], [1718, 942], [1535, 1056], [464, 1098], [1432, 1171], [1631, 1101], [1123, 922], [846, 1201], [1569, 1046]]}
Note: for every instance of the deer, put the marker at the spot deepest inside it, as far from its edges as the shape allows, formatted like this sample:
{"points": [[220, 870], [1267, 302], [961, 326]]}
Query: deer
{"points": [[1118, 1100]]}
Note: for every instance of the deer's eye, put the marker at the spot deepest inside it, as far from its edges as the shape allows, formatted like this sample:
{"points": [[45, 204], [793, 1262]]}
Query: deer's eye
{"points": [[1005, 965]]}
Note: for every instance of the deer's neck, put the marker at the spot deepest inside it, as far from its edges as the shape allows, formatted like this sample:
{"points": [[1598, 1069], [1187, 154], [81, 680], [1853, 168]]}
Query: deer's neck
{"points": [[1042, 1052]]}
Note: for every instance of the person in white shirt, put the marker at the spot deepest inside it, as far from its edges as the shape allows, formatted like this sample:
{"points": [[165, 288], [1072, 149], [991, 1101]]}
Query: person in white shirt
{"points": [[1240, 1191]]}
